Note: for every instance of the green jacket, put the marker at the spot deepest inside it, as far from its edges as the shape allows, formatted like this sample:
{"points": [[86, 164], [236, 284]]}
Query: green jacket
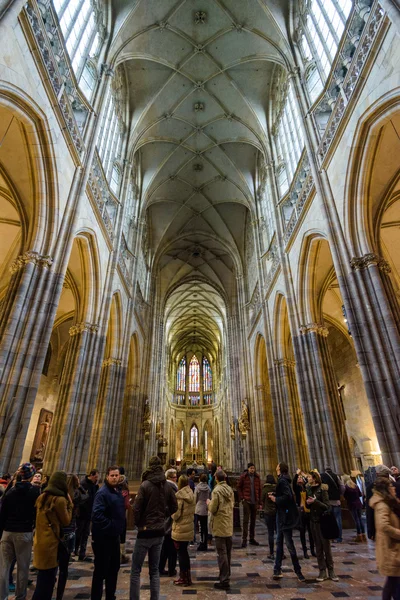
{"points": [[269, 507], [321, 503], [221, 509]]}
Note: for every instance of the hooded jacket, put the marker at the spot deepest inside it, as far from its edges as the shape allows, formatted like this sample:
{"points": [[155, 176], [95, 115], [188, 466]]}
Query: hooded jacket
{"points": [[183, 518], [221, 509], [387, 537], [17, 512], [154, 502], [201, 495], [321, 502]]}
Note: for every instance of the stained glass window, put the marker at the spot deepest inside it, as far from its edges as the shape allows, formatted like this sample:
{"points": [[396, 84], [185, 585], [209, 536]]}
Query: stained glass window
{"points": [[207, 399], [207, 375], [194, 399], [181, 376], [194, 375]]}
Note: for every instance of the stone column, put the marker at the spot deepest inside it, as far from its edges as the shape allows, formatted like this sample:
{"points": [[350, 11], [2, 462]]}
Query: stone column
{"points": [[325, 420], [268, 456], [372, 311], [293, 446], [26, 320], [78, 391], [107, 418]]}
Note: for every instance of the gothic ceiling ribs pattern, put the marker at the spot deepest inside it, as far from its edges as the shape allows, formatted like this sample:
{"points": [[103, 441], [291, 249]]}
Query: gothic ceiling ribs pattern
{"points": [[199, 75]]}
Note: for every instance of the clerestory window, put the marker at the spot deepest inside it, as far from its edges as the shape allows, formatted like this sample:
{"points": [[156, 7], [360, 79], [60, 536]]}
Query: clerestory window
{"points": [[322, 26], [109, 141], [82, 39]]}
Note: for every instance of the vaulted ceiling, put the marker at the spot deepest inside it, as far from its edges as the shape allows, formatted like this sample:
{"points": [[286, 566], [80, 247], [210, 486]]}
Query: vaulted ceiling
{"points": [[199, 76]]}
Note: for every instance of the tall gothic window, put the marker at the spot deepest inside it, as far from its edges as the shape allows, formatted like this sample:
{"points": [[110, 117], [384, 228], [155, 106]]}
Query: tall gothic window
{"points": [[289, 139], [194, 437], [323, 24], [109, 141], [181, 376], [207, 375], [194, 375], [82, 38]]}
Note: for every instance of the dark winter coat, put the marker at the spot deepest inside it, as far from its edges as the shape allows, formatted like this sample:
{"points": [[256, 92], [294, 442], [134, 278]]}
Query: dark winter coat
{"points": [[85, 509], [268, 505], [154, 501], [334, 486], [18, 512], [244, 487], [108, 515], [287, 511], [352, 496], [321, 502], [80, 496]]}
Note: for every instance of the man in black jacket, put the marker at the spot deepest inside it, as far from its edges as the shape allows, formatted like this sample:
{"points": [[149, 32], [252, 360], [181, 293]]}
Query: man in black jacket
{"points": [[335, 489], [108, 523], [89, 483], [154, 501], [17, 519], [287, 519]]}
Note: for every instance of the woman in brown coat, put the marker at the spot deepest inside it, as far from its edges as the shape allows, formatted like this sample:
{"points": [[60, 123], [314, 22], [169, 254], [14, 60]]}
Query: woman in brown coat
{"points": [[53, 511], [182, 528], [386, 509]]}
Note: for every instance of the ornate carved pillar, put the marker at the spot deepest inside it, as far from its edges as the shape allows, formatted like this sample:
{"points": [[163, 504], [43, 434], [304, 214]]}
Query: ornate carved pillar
{"points": [[27, 316], [323, 414], [373, 316], [78, 390], [293, 445], [107, 418]]}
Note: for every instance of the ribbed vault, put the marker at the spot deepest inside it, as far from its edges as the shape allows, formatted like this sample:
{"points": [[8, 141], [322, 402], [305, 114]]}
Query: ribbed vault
{"points": [[199, 84]]}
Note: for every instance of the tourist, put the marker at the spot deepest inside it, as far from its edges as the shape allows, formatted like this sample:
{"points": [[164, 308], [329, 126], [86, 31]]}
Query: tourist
{"points": [[396, 476], [386, 509], [154, 498], [124, 489], [202, 494], [17, 519], [89, 483], [269, 508], [300, 481], [249, 490], [182, 529], [352, 495], [287, 518], [108, 521], [318, 502], [37, 479], [335, 490], [53, 512], [221, 508], [78, 495], [191, 473], [168, 550]]}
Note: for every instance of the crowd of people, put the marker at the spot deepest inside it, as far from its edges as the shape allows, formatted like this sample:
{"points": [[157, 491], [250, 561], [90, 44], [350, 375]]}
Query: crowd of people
{"points": [[53, 517]]}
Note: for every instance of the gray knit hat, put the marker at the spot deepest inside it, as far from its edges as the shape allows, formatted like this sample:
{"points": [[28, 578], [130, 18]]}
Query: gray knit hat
{"points": [[382, 471]]}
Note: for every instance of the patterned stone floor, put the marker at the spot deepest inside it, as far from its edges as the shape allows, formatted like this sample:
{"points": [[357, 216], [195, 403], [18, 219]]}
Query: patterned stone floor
{"points": [[251, 578]]}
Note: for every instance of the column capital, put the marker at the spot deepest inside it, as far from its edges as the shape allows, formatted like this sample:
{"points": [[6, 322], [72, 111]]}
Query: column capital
{"points": [[107, 70], [368, 260], [41, 260], [80, 327], [107, 362], [317, 328], [285, 362]]}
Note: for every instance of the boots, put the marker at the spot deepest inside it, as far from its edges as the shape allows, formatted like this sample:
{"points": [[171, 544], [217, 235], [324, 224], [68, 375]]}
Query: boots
{"points": [[364, 537], [358, 538], [188, 577], [124, 558], [322, 576]]}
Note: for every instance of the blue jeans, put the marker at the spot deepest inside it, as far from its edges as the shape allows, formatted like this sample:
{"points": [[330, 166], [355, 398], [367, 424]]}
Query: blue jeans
{"points": [[286, 535], [337, 511], [142, 547], [356, 514]]}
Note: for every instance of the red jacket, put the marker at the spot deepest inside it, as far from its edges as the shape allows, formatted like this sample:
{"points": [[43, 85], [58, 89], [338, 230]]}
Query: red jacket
{"points": [[244, 487]]}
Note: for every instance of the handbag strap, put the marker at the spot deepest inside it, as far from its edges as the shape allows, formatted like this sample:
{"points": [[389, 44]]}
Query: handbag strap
{"points": [[331, 478]]}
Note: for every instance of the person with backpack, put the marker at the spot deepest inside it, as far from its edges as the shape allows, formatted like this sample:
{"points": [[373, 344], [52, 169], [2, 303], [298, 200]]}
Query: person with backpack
{"points": [[154, 498]]}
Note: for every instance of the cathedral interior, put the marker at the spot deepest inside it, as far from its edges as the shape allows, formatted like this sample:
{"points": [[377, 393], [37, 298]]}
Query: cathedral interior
{"points": [[199, 233]]}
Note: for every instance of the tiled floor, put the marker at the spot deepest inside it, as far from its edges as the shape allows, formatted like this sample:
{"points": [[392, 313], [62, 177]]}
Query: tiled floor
{"points": [[251, 579]]}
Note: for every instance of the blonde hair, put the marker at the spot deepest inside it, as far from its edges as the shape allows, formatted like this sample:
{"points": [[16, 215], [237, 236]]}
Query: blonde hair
{"points": [[316, 476], [183, 481]]}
